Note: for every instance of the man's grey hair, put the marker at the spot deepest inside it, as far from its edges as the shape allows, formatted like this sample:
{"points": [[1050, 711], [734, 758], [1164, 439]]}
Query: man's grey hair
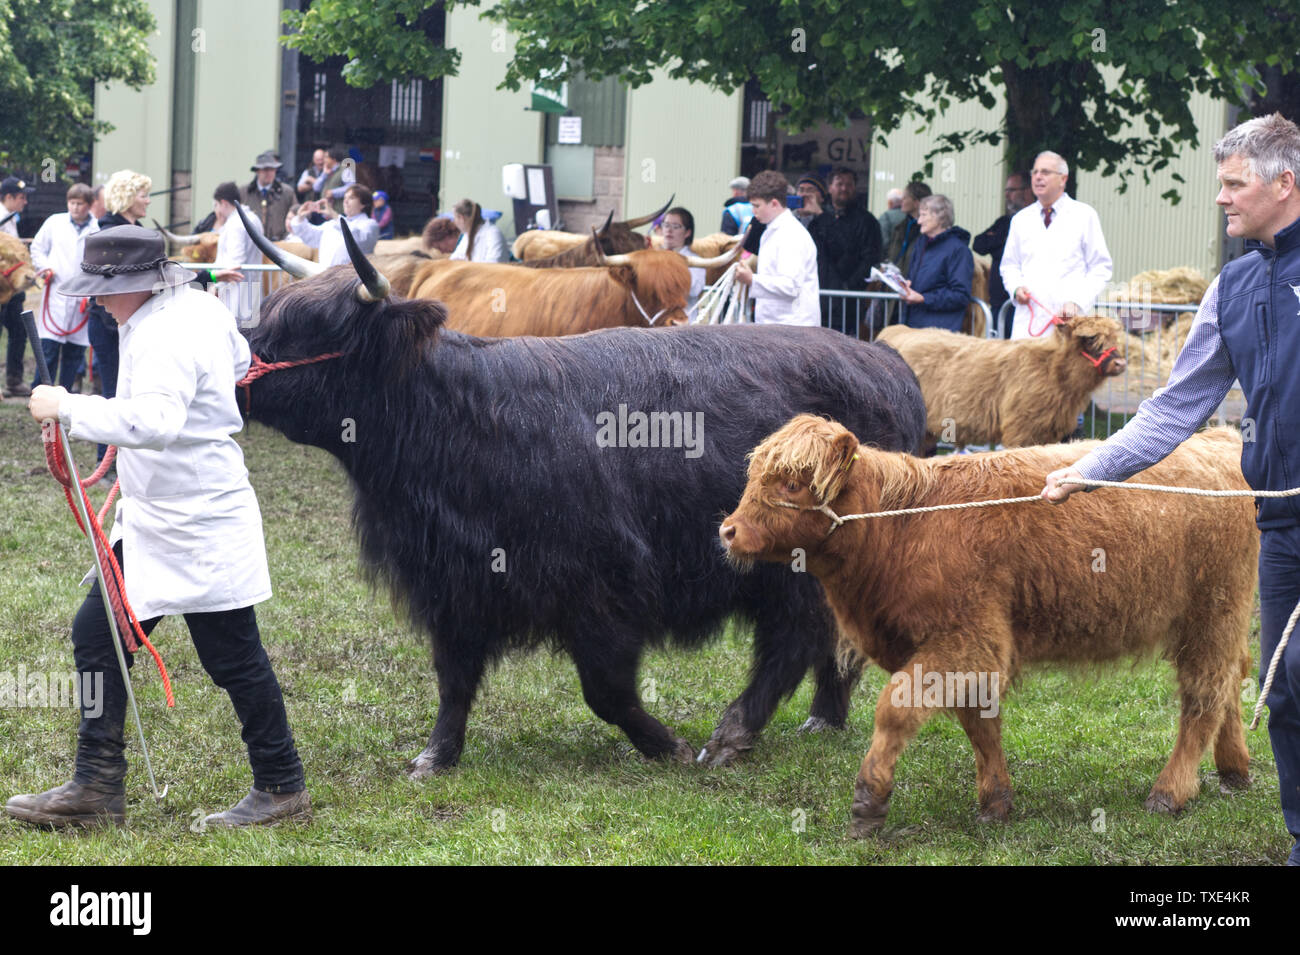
{"points": [[940, 207], [1269, 146], [1062, 166]]}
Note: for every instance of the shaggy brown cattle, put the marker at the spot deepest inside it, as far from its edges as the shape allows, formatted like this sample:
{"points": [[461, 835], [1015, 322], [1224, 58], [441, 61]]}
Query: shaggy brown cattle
{"points": [[487, 299], [401, 267], [615, 239], [953, 605], [16, 272], [1015, 393]]}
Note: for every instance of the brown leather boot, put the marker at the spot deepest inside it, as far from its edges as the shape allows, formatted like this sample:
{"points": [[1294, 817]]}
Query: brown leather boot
{"points": [[71, 804], [16, 388], [263, 809]]}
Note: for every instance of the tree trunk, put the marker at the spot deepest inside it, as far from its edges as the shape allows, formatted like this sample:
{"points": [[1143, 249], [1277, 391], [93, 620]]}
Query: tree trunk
{"points": [[1032, 127]]}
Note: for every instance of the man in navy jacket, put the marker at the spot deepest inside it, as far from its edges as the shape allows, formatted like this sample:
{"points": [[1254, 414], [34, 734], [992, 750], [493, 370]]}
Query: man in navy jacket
{"points": [[1247, 328]]}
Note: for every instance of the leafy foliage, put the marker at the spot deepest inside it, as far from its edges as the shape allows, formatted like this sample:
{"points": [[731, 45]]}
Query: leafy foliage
{"points": [[52, 52], [1106, 84]]}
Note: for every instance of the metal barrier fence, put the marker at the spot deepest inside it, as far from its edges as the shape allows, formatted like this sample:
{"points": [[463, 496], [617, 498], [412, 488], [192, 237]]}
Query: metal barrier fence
{"points": [[244, 299], [863, 314]]}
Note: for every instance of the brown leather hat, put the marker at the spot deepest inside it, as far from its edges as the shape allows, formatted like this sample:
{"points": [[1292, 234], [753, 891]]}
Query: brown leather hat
{"points": [[125, 258]]}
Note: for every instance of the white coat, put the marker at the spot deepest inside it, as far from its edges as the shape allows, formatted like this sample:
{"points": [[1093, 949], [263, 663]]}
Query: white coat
{"points": [[329, 237], [188, 519], [58, 246], [697, 282], [1065, 262], [785, 289], [235, 247], [489, 245]]}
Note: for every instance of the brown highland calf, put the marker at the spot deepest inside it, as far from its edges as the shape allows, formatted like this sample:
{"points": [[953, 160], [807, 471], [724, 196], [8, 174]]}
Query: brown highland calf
{"points": [[952, 598], [1017, 393]]}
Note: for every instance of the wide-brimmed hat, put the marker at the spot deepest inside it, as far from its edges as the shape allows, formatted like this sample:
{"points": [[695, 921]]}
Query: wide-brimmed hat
{"points": [[266, 160], [125, 258]]}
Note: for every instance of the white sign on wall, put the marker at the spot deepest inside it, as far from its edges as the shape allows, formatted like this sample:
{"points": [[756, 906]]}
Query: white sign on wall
{"points": [[571, 130]]}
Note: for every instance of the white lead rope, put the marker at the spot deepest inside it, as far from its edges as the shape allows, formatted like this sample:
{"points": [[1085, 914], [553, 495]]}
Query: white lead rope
{"points": [[837, 520]]}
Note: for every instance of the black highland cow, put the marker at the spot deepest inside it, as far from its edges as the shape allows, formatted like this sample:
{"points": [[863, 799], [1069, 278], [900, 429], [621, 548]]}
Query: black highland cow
{"points": [[466, 448]]}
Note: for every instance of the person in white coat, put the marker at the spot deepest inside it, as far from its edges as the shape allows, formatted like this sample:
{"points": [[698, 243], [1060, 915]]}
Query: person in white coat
{"points": [[235, 247], [357, 203], [679, 233], [480, 240], [785, 290], [188, 528], [56, 257], [1055, 261]]}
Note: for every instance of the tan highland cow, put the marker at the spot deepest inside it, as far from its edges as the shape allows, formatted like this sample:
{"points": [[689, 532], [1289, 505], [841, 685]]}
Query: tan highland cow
{"points": [[955, 603]]}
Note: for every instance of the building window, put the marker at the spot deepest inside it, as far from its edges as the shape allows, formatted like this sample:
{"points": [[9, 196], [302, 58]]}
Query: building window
{"points": [[406, 103], [318, 96]]}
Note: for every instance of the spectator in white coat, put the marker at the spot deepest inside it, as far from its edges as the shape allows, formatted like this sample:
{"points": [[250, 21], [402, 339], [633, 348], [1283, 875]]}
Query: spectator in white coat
{"points": [[480, 241], [234, 248], [1056, 261], [679, 232], [56, 256], [785, 290], [357, 203]]}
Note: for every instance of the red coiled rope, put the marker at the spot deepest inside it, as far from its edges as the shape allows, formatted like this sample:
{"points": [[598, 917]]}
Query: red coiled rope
{"points": [[53, 327], [127, 622]]}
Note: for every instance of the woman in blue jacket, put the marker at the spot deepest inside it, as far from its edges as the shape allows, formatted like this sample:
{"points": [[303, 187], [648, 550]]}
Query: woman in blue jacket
{"points": [[939, 278]]}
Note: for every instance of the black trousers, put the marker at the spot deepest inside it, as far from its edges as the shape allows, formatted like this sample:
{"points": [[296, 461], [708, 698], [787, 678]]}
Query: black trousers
{"points": [[12, 315], [230, 649]]}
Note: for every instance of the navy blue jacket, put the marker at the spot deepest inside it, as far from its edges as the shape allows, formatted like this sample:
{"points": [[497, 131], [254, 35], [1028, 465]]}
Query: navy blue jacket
{"points": [[941, 270], [1259, 319]]}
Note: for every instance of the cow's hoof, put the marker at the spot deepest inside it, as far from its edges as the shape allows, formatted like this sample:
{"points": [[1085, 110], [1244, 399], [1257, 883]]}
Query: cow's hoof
{"points": [[868, 816], [725, 747], [1233, 782], [683, 752], [1162, 803], [427, 764], [997, 808], [815, 724]]}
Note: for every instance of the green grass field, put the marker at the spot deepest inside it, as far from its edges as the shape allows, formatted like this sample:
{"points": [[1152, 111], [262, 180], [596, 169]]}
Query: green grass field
{"points": [[542, 780]]}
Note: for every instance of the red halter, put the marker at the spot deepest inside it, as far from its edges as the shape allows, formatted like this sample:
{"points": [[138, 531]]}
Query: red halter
{"points": [[257, 368]]}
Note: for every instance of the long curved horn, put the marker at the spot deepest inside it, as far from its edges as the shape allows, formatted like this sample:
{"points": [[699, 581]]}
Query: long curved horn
{"points": [[177, 239], [595, 241], [296, 266], [608, 219], [726, 258], [374, 286], [636, 223]]}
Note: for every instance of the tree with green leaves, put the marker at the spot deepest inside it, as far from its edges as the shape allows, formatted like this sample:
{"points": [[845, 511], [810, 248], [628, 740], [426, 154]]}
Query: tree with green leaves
{"points": [[1104, 83], [52, 53]]}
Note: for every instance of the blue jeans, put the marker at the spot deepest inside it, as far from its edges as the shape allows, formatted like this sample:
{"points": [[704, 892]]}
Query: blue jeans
{"points": [[230, 649], [70, 355], [1279, 591]]}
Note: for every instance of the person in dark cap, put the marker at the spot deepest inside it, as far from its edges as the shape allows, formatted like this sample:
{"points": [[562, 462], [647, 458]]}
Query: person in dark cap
{"points": [[268, 197], [13, 200], [187, 518]]}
